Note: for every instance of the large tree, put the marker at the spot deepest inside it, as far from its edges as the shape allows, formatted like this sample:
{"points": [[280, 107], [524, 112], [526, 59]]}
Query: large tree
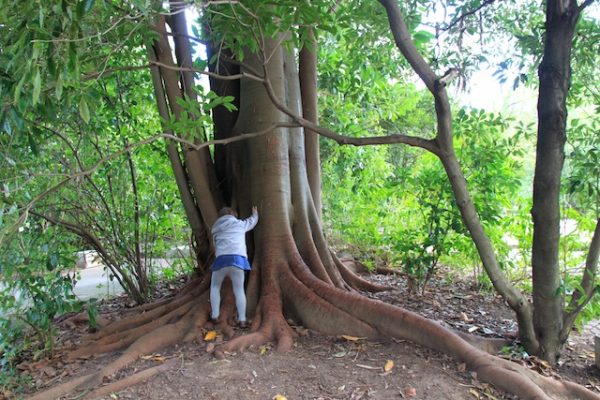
{"points": [[265, 155]]}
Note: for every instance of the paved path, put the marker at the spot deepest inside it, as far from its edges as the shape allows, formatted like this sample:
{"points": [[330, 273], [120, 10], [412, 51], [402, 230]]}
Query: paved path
{"points": [[93, 280]]}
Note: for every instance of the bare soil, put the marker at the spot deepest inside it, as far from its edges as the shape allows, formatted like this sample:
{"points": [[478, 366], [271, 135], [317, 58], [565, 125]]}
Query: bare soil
{"points": [[320, 367]]}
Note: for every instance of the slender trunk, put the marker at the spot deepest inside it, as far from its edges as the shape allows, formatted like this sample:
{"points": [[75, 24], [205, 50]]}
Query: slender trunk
{"points": [[308, 88], [587, 289], [192, 213], [196, 165], [183, 53], [223, 119], [139, 267], [445, 151], [554, 75]]}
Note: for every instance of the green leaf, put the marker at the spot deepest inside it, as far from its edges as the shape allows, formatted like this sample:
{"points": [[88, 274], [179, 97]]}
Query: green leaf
{"points": [[32, 144], [84, 110], [84, 7], [37, 87], [41, 17], [422, 37], [59, 86], [19, 89], [52, 261]]}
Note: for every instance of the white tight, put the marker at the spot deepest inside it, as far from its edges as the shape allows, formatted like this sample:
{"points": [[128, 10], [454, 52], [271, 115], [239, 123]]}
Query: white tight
{"points": [[237, 276]]}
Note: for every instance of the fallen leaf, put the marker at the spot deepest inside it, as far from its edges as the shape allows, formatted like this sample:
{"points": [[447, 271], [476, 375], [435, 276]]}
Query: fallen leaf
{"points": [[464, 317], [473, 329], [279, 397], [388, 366], [475, 393], [352, 338], [210, 348], [210, 335], [410, 392], [263, 350], [462, 367], [154, 357]]}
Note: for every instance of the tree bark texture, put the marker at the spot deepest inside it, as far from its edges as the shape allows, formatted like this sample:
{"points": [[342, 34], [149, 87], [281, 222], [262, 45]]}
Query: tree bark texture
{"points": [[554, 78], [308, 87]]}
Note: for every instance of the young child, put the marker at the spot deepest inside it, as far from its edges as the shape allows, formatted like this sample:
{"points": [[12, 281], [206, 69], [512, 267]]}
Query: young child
{"points": [[229, 236]]}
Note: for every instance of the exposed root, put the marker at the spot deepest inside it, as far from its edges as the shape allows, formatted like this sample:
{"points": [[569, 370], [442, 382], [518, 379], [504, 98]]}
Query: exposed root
{"points": [[120, 340], [392, 321], [356, 281], [145, 317], [62, 389], [288, 289], [175, 328], [83, 317], [489, 345], [319, 314], [130, 380]]}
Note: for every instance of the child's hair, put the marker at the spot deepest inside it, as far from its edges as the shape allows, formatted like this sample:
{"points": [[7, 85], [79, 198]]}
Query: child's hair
{"points": [[227, 211]]}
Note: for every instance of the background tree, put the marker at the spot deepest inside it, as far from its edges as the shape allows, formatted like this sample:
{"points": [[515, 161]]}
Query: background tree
{"points": [[295, 275]]}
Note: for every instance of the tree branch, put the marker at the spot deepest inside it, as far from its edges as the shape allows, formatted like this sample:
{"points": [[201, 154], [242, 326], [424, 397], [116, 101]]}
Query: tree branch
{"points": [[407, 47], [342, 139], [585, 4], [588, 286], [463, 16]]}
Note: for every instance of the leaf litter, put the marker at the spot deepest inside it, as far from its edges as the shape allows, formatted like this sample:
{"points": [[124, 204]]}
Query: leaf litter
{"points": [[319, 367]]}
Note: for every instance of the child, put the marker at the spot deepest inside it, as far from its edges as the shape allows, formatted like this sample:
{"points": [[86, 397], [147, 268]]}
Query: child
{"points": [[229, 236]]}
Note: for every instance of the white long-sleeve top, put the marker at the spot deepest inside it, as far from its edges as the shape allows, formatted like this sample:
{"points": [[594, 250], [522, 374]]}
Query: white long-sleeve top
{"points": [[229, 234]]}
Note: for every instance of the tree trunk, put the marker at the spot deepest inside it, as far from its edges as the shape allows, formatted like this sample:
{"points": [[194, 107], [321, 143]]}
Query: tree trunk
{"points": [[554, 75], [444, 149], [308, 87]]}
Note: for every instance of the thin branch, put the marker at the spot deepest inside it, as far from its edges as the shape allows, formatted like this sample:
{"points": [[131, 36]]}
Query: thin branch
{"points": [[585, 4], [463, 16], [429, 145], [588, 286], [196, 146], [90, 37]]}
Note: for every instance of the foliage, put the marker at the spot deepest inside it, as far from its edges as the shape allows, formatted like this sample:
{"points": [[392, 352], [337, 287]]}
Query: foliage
{"points": [[580, 202], [67, 184], [36, 287], [407, 212]]}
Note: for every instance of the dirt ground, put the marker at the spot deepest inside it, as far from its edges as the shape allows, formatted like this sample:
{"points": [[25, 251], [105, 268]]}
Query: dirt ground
{"points": [[326, 368]]}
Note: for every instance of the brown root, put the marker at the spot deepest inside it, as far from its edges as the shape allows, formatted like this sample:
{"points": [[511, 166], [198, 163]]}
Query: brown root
{"points": [[395, 322], [120, 340], [294, 292], [355, 281], [62, 389], [130, 380]]}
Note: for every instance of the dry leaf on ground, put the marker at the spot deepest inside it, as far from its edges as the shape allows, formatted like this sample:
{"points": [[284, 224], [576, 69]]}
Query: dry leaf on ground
{"points": [[352, 338], [388, 366]]}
